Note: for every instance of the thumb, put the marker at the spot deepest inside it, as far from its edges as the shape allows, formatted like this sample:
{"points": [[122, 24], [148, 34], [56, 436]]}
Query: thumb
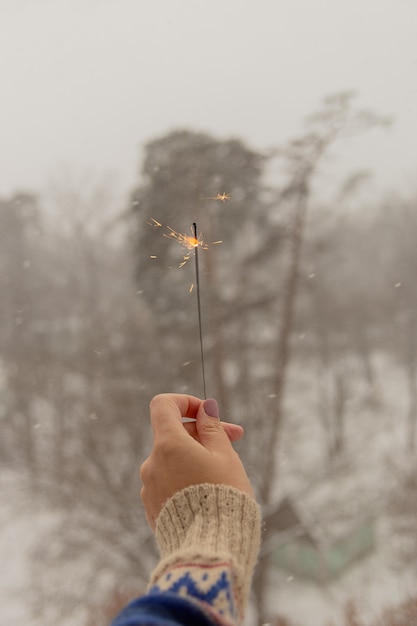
{"points": [[210, 431]]}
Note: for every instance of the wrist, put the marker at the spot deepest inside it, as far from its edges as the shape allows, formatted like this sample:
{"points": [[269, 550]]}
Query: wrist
{"points": [[211, 523], [215, 517]]}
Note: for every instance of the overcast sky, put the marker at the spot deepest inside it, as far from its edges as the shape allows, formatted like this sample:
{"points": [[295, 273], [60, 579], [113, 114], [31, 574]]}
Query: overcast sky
{"points": [[86, 82]]}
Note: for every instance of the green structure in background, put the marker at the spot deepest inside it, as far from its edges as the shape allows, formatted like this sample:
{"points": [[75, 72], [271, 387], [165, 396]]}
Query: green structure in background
{"points": [[316, 539]]}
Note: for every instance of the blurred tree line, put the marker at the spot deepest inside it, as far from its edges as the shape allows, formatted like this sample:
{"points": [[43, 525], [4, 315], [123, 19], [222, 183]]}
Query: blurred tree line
{"points": [[96, 316]]}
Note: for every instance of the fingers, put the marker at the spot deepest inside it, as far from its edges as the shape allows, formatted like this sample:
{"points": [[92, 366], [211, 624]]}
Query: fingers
{"points": [[211, 433], [234, 432], [167, 411]]}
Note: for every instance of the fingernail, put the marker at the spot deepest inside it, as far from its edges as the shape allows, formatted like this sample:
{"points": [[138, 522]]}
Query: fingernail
{"points": [[211, 408]]}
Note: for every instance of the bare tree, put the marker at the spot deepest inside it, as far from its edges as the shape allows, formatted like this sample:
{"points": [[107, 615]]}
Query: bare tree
{"points": [[337, 118], [80, 361]]}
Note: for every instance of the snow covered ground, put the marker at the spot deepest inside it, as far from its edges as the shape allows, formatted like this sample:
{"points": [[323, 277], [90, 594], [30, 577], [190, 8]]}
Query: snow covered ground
{"points": [[372, 585], [20, 526], [23, 524], [375, 451], [16, 535]]}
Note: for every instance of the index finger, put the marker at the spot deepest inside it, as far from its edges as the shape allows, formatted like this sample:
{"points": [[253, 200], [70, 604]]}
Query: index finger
{"points": [[167, 411]]}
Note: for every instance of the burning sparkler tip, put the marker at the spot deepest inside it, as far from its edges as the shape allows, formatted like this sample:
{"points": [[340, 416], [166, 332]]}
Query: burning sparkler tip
{"points": [[189, 243]]}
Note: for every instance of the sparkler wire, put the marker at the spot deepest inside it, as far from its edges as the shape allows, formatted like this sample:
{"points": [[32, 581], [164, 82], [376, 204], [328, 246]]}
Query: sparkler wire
{"points": [[197, 281]]}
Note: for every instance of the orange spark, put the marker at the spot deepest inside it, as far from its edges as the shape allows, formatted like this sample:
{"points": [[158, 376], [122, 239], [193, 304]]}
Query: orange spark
{"points": [[221, 196], [187, 242], [154, 223]]}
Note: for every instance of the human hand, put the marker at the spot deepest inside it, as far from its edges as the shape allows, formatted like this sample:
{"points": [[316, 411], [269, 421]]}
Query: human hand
{"points": [[188, 454]]}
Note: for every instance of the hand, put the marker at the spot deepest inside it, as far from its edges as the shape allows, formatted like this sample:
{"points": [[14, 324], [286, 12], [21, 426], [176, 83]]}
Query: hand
{"points": [[188, 454]]}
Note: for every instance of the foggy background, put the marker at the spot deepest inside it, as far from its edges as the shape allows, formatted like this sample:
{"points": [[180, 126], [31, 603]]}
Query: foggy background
{"points": [[114, 113], [87, 83]]}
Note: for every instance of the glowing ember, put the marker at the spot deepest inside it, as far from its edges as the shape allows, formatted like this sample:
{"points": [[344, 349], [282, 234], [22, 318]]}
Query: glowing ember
{"points": [[220, 196], [187, 242], [154, 222]]}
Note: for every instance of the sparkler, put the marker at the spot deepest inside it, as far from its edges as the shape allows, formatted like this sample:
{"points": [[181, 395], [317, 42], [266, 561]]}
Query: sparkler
{"points": [[190, 243], [197, 280]]}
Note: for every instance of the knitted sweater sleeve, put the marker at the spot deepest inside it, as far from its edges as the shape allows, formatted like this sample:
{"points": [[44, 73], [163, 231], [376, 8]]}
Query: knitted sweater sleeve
{"points": [[209, 539]]}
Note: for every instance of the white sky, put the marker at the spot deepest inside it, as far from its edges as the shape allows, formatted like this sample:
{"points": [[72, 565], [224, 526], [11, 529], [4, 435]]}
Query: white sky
{"points": [[87, 82]]}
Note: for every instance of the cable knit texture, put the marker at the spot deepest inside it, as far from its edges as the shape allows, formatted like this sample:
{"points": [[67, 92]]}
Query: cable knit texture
{"points": [[209, 538]]}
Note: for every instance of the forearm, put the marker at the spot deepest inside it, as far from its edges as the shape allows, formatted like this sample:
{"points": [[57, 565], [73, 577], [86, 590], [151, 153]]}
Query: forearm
{"points": [[209, 540]]}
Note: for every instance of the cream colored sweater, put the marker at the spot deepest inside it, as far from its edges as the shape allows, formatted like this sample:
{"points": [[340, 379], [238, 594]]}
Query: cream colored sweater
{"points": [[209, 538]]}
